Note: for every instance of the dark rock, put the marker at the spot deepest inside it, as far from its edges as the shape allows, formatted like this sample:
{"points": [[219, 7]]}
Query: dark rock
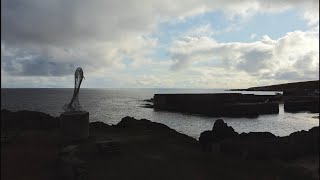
{"points": [[219, 123], [260, 145], [147, 106], [130, 122], [108, 146], [304, 142], [217, 105], [205, 140], [71, 167], [27, 120], [149, 100], [257, 135], [146, 126], [302, 105], [220, 131], [253, 145], [98, 124]]}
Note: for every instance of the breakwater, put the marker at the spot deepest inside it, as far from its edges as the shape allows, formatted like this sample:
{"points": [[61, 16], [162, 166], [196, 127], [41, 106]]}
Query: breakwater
{"points": [[301, 103], [219, 104]]}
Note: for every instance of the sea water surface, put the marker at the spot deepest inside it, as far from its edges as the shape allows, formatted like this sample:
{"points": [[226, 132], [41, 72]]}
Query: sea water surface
{"points": [[111, 105]]}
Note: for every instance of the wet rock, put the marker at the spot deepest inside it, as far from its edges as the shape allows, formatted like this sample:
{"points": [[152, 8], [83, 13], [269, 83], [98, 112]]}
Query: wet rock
{"points": [[149, 100], [147, 106]]}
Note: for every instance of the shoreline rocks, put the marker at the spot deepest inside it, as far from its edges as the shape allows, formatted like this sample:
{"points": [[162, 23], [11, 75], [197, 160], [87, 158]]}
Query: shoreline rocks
{"points": [[289, 147], [28, 120], [142, 149], [261, 145]]}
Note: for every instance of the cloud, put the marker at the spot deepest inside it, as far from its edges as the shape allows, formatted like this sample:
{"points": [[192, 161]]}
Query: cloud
{"points": [[252, 36], [296, 53]]}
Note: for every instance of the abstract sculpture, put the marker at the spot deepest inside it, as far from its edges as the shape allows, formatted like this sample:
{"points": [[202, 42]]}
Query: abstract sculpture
{"points": [[74, 122], [74, 104]]}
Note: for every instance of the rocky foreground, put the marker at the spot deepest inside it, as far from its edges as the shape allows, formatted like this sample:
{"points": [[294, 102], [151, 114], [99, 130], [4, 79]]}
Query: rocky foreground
{"points": [[32, 148]]}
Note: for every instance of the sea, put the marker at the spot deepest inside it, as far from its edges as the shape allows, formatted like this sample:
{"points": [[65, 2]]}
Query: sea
{"points": [[111, 105]]}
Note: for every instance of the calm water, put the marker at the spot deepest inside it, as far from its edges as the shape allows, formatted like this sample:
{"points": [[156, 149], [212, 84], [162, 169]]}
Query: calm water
{"points": [[111, 105]]}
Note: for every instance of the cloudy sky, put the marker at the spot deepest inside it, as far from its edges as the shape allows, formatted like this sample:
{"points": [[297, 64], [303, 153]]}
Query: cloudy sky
{"points": [[159, 43]]}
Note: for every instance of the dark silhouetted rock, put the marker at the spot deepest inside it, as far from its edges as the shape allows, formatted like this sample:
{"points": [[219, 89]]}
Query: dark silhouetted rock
{"points": [[147, 106], [108, 146], [205, 140], [149, 127], [304, 142], [98, 124], [219, 104], [257, 135], [130, 122], [302, 105], [149, 100], [220, 131], [27, 120], [260, 145]]}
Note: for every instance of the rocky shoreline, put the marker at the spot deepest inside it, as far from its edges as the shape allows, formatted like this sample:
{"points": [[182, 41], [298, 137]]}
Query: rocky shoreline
{"points": [[141, 149], [260, 145]]}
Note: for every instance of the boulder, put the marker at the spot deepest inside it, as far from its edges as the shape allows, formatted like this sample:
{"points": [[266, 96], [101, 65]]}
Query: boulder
{"points": [[222, 131]]}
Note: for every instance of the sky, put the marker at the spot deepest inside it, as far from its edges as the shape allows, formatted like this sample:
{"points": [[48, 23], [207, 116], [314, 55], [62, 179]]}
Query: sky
{"points": [[158, 43]]}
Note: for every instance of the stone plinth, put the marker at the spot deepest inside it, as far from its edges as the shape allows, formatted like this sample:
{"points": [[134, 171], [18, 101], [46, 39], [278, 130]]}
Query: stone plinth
{"points": [[75, 125]]}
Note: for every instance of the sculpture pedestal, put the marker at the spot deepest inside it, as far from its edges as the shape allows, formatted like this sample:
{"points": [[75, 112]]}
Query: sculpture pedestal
{"points": [[74, 125]]}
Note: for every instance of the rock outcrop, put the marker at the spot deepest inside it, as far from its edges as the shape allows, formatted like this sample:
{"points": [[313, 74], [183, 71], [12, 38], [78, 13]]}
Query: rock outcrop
{"points": [[131, 122], [220, 131], [27, 120], [260, 145], [148, 127]]}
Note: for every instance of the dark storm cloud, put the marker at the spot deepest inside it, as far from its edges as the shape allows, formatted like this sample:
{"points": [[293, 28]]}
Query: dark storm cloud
{"points": [[65, 22], [38, 34], [37, 66]]}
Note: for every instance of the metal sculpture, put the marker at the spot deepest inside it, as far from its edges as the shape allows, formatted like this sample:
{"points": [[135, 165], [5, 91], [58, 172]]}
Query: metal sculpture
{"points": [[74, 104]]}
